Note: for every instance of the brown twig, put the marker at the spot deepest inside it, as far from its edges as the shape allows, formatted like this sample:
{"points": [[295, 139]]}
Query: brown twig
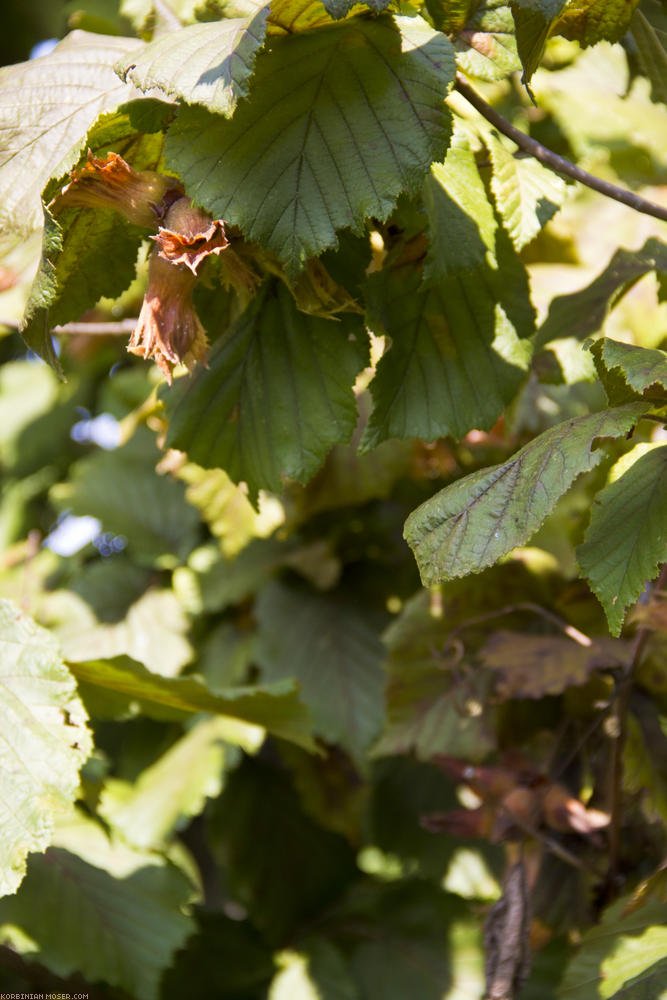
{"points": [[557, 163], [121, 328], [570, 631]]}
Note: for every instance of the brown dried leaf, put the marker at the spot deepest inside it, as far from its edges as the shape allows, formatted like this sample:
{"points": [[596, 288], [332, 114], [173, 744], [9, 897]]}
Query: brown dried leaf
{"points": [[532, 666]]}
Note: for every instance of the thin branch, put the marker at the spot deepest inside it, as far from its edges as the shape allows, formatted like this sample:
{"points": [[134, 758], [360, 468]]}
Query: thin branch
{"points": [[557, 163], [570, 631], [121, 328]]}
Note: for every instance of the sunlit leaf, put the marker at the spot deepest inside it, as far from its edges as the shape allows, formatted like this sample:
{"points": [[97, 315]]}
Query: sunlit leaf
{"points": [[276, 396], [333, 653], [618, 950], [527, 194], [641, 367], [276, 707], [473, 523], [592, 21], [318, 971], [486, 47], [47, 106], [361, 102], [209, 64], [45, 740], [172, 790], [114, 913], [626, 540]]}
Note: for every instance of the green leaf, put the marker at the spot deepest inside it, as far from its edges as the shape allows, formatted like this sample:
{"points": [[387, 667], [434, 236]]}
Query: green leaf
{"points": [[533, 20], [645, 760], [341, 8], [591, 21], [582, 313], [486, 47], [114, 913], [651, 42], [130, 499], [459, 349], [342, 120], [209, 64], [461, 223], [282, 867], [641, 367], [333, 653], [211, 583], [526, 194], [149, 812], [276, 707], [621, 948], [277, 394], [473, 523], [650, 984], [626, 540], [47, 106], [45, 740], [86, 253]]}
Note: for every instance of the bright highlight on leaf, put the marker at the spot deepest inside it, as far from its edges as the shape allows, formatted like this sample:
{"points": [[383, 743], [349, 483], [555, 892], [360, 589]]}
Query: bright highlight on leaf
{"points": [[342, 119], [480, 518], [209, 64], [44, 741], [46, 108]]}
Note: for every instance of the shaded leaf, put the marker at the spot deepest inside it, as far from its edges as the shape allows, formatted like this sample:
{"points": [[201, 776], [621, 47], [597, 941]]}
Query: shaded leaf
{"points": [[533, 20], [47, 106], [526, 194], [645, 763], [651, 42], [221, 943], [172, 790], [486, 47], [532, 666], [277, 394], [333, 653], [473, 523], [209, 64], [276, 706], [289, 868], [318, 971], [114, 913], [626, 540], [45, 740], [615, 952], [458, 350], [361, 101], [211, 583], [582, 313], [130, 499]]}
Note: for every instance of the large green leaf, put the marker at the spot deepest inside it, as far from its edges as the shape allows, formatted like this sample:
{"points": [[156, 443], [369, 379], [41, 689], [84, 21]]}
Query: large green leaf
{"points": [[130, 499], [45, 740], [333, 653], [209, 64], [582, 313], [172, 790], [473, 523], [113, 913], [342, 119], [649, 31], [276, 707], [277, 394], [641, 367], [626, 540], [619, 950], [459, 349], [47, 106], [594, 21]]}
